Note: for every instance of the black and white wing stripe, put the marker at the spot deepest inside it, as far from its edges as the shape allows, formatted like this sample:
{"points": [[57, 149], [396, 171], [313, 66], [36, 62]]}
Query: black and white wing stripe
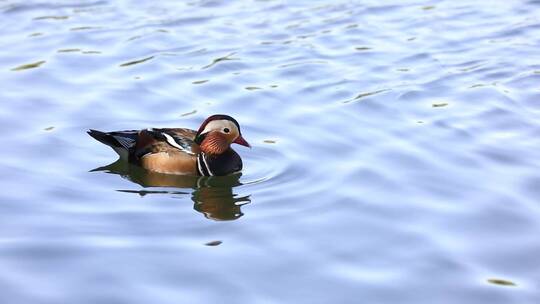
{"points": [[181, 143]]}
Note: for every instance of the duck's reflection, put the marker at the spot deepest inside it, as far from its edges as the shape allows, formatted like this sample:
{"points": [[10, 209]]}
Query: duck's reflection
{"points": [[212, 196]]}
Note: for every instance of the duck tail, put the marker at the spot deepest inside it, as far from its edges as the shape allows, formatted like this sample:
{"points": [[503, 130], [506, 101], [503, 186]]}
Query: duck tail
{"points": [[120, 142], [104, 138]]}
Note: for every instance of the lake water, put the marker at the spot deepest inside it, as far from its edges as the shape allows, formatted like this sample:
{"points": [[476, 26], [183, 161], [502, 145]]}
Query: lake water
{"points": [[395, 152]]}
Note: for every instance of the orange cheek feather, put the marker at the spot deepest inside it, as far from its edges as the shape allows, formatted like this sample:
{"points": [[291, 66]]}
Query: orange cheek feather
{"points": [[214, 143]]}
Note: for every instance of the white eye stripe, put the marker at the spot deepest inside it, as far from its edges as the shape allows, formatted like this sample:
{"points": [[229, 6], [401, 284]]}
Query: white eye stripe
{"points": [[220, 125]]}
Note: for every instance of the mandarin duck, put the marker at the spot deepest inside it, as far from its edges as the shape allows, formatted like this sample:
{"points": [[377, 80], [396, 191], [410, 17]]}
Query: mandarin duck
{"points": [[206, 152]]}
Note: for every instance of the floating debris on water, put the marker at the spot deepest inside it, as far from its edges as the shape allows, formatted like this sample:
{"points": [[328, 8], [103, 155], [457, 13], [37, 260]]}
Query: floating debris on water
{"points": [[29, 66], [217, 60], [136, 61], [200, 81], [35, 34], [362, 48], [81, 28], [501, 282], [52, 18], [91, 52], [366, 94], [269, 141], [429, 7], [134, 37], [439, 105], [213, 243], [49, 128], [253, 88], [68, 50], [189, 113]]}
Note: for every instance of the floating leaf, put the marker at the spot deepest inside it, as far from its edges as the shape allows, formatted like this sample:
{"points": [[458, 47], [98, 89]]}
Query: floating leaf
{"points": [[200, 81], [35, 34], [215, 61], [52, 17], [49, 128], [136, 61], [477, 86], [134, 37], [501, 282], [68, 50], [362, 95], [81, 28], [366, 94], [439, 105], [28, 66], [189, 113], [214, 243], [362, 48]]}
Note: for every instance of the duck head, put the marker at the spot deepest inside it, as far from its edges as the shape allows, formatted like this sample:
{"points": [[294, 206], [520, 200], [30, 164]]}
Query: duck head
{"points": [[217, 133]]}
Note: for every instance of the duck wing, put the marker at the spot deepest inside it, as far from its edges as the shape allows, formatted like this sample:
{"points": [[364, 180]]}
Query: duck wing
{"points": [[165, 140], [166, 151]]}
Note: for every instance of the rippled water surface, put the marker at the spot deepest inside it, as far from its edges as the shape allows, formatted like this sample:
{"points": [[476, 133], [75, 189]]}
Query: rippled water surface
{"points": [[395, 152]]}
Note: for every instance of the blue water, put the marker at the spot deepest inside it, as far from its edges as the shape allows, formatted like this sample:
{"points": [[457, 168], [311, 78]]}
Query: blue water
{"points": [[395, 152]]}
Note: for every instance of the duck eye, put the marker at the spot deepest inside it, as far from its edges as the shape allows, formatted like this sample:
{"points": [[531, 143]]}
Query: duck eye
{"points": [[226, 130]]}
